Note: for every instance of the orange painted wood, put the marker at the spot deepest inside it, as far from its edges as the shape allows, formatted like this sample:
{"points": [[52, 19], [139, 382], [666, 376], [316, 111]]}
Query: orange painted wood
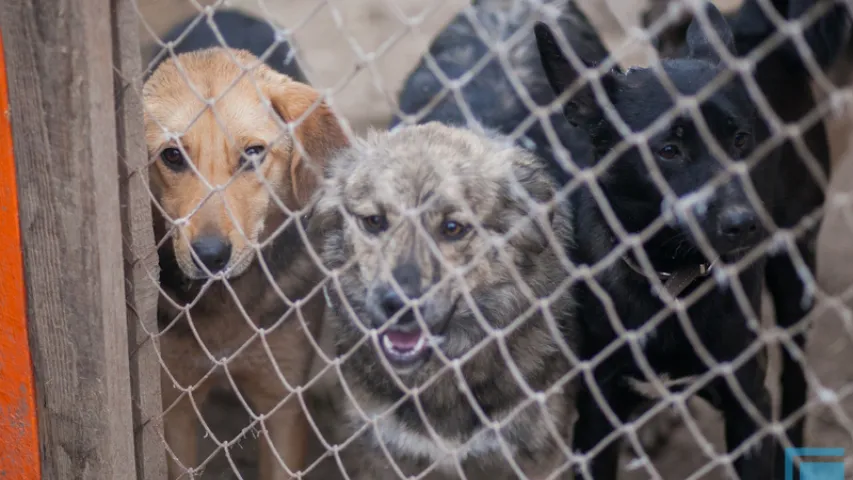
{"points": [[19, 443]]}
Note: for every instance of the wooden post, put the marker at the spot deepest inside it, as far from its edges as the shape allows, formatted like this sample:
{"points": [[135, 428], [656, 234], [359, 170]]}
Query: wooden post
{"points": [[59, 61], [140, 254], [19, 447]]}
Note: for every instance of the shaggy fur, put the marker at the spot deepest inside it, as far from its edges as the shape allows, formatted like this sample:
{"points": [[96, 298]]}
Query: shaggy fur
{"points": [[218, 289], [452, 230], [725, 218], [493, 97]]}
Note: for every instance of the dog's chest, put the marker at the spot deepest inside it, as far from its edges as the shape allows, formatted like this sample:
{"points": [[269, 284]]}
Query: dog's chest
{"points": [[233, 336], [220, 327], [447, 453], [667, 341], [226, 339]]}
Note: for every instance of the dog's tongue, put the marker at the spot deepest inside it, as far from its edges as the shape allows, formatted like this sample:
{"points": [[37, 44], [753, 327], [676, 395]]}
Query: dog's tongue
{"points": [[404, 340]]}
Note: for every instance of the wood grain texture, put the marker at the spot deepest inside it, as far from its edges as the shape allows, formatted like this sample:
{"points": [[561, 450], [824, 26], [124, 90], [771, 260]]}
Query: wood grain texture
{"points": [[140, 254], [19, 446], [60, 68]]}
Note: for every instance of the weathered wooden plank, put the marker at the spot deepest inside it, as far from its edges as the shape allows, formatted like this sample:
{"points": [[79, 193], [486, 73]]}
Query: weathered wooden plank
{"points": [[60, 68], [139, 251]]}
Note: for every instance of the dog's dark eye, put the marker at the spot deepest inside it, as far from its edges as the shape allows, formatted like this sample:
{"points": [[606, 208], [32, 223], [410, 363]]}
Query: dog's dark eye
{"points": [[172, 157], [375, 223], [453, 230], [669, 152], [741, 140], [255, 152]]}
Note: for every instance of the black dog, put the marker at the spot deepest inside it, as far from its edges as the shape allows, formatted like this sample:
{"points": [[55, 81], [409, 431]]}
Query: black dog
{"points": [[237, 30], [494, 97], [724, 217], [670, 40], [784, 80]]}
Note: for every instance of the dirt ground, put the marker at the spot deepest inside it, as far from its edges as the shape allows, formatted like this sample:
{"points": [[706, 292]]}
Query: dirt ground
{"points": [[362, 51]]}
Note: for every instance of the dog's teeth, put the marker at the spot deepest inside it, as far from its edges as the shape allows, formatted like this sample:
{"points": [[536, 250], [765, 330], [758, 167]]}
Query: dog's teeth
{"points": [[386, 343], [389, 347], [420, 345]]}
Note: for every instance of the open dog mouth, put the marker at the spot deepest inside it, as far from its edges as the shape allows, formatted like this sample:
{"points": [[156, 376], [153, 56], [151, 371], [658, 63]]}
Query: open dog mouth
{"points": [[404, 348], [407, 346]]}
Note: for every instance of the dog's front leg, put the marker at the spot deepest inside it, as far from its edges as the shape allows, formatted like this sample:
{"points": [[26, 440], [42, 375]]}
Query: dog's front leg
{"points": [[792, 303], [285, 439], [757, 461], [180, 426], [593, 426]]}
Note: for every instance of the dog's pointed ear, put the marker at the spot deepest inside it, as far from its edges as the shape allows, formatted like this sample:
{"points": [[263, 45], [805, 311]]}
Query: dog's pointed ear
{"points": [[697, 38], [317, 131], [562, 75]]}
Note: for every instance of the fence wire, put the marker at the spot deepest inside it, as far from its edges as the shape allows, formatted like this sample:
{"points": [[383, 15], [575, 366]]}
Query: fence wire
{"points": [[538, 253]]}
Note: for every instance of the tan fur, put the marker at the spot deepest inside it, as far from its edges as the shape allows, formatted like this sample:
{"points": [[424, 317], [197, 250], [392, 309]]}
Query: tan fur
{"points": [[224, 320], [214, 138]]}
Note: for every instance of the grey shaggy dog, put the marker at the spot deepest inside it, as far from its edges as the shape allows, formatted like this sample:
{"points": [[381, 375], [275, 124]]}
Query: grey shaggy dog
{"points": [[452, 307]]}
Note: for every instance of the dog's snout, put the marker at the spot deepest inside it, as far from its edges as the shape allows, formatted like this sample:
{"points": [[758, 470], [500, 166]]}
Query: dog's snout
{"points": [[212, 251], [738, 222], [392, 303], [408, 277]]}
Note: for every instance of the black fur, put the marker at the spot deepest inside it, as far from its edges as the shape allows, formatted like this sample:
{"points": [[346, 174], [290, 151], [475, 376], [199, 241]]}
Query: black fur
{"points": [[788, 192], [784, 80], [238, 30], [491, 97]]}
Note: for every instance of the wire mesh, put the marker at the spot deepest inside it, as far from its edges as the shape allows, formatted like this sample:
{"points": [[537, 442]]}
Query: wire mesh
{"points": [[269, 351]]}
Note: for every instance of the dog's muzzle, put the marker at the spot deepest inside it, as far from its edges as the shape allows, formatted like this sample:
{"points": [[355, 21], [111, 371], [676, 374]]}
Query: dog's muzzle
{"points": [[738, 229], [403, 342], [732, 228]]}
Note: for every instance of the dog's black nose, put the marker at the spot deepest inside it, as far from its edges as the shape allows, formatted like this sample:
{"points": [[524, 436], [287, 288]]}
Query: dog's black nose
{"points": [[392, 303], [213, 252], [408, 279], [738, 222]]}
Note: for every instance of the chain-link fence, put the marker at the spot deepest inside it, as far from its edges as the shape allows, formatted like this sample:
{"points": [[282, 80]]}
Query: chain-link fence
{"points": [[243, 339], [624, 254]]}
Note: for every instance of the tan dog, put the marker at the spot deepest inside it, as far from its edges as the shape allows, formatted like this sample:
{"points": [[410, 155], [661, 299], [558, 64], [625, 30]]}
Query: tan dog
{"points": [[230, 181]]}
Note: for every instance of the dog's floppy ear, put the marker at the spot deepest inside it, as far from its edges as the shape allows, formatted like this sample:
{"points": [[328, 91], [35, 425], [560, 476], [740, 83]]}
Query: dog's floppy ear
{"points": [[328, 199], [699, 46], [562, 75], [317, 131], [531, 184]]}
